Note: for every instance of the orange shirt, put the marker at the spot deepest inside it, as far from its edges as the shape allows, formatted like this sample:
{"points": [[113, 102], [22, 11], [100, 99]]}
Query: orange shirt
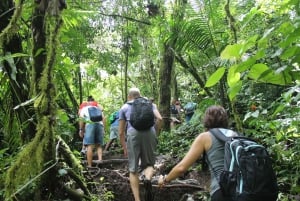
{"points": [[86, 103]]}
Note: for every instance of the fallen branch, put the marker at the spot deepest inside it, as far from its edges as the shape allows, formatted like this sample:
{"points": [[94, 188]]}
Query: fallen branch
{"points": [[111, 161], [179, 186]]}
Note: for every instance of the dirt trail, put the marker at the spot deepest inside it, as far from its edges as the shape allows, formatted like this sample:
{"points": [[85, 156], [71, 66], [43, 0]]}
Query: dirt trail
{"points": [[112, 174]]}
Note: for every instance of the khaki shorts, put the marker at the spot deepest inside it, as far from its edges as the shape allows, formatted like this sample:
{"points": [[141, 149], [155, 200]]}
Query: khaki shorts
{"points": [[141, 146]]}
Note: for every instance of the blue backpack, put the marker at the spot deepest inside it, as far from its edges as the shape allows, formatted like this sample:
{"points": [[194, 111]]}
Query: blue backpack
{"points": [[190, 107], [95, 113], [248, 174]]}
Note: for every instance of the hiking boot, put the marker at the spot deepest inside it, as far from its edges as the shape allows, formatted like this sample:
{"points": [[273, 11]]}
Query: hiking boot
{"points": [[149, 196]]}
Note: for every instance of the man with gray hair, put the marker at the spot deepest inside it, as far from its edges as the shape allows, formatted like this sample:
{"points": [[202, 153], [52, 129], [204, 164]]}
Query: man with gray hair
{"points": [[140, 146]]}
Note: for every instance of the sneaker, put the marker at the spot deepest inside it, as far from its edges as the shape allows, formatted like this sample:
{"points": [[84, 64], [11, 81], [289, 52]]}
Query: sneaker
{"points": [[149, 196], [83, 152]]}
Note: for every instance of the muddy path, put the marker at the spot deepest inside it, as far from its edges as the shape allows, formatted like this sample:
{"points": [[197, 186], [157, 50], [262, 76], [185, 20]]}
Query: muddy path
{"points": [[112, 175]]}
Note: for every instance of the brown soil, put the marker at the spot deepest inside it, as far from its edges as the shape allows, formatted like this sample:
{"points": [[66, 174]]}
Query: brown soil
{"points": [[112, 176]]}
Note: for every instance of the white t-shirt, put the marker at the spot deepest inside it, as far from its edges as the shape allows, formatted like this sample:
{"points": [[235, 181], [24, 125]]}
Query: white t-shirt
{"points": [[84, 113]]}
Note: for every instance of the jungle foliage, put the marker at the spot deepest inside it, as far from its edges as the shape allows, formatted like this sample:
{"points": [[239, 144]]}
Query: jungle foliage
{"points": [[243, 55]]}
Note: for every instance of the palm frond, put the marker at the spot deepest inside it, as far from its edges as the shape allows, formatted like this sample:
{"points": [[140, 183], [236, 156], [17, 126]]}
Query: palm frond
{"points": [[195, 34]]}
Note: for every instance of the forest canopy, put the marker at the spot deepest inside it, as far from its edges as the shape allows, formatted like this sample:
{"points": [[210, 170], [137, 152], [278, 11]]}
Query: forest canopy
{"points": [[243, 55]]}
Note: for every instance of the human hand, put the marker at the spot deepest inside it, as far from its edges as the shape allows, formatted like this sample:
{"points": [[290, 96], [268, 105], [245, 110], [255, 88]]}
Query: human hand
{"points": [[81, 133], [125, 153], [162, 181]]}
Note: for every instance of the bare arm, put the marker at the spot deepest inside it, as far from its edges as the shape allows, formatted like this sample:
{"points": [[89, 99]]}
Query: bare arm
{"points": [[158, 122], [200, 144], [122, 127]]}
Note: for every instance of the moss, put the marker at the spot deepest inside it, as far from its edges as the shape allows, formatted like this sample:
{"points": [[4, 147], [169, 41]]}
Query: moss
{"points": [[12, 28], [38, 155], [30, 162]]}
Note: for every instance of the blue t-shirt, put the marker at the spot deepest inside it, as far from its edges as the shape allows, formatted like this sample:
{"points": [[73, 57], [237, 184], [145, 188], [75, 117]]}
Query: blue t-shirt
{"points": [[116, 121]]}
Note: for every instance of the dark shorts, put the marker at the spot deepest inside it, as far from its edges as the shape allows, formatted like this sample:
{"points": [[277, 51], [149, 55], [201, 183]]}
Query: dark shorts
{"points": [[141, 146]]}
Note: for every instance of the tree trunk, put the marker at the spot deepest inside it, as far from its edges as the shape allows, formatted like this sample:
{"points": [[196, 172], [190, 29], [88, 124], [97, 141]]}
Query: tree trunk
{"points": [[166, 70], [18, 77], [24, 180], [165, 83]]}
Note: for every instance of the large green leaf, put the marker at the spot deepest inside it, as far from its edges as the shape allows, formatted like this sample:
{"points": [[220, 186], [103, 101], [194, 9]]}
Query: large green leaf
{"points": [[234, 90], [233, 76], [263, 73], [232, 51], [215, 77]]}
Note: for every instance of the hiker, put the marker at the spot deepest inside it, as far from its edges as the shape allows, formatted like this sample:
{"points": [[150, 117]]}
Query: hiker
{"points": [[189, 110], [215, 117], [141, 145], [175, 110], [91, 132], [157, 125], [240, 168], [90, 101], [114, 129]]}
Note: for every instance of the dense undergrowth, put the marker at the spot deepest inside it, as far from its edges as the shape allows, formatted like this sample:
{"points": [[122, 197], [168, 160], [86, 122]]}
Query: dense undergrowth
{"points": [[276, 126]]}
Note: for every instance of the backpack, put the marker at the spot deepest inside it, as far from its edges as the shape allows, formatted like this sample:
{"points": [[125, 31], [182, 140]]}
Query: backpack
{"points": [[189, 107], [173, 109], [142, 116], [113, 117], [248, 174], [95, 113]]}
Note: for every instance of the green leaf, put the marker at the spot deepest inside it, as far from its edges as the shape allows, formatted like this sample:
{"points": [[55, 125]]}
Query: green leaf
{"points": [[257, 70], [263, 73], [233, 77], [279, 109], [251, 42], [232, 51], [291, 51], [241, 67], [263, 42], [215, 77], [234, 90]]}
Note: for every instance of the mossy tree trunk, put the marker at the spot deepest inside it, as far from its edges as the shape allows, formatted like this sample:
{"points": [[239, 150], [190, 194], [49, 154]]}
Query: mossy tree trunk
{"points": [[165, 85], [17, 74], [32, 175], [167, 71]]}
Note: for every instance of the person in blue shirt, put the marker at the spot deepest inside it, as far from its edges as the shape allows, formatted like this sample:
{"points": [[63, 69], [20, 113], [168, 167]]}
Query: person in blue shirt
{"points": [[140, 146], [189, 110], [114, 129]]}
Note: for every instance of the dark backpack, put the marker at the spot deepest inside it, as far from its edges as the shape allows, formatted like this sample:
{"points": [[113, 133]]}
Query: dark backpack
{"points": [[142, 116], [95, 113], [173, 109], [248, 174]]}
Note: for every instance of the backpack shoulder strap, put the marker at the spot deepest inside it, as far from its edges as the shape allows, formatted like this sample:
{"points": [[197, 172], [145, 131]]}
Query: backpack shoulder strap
{"points": [[219, 135], [129, 102]]}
